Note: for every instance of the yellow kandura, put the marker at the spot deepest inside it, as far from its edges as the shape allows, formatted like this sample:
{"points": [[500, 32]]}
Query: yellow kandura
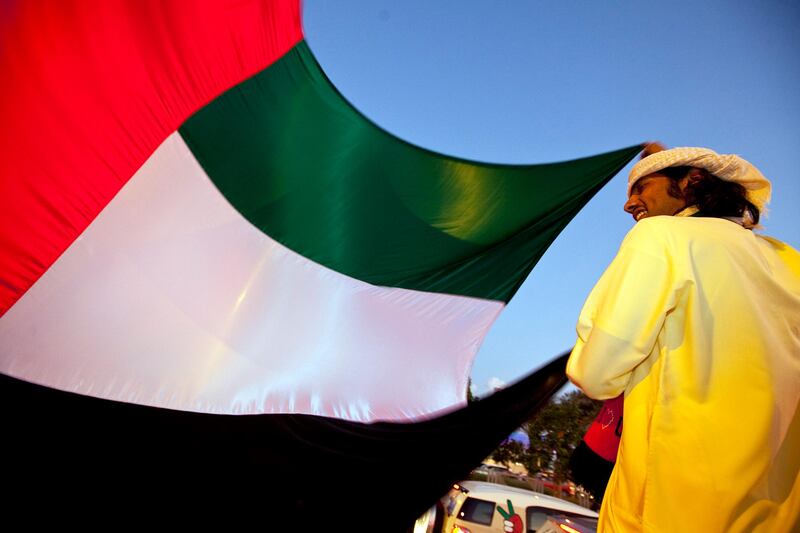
{"points": [[697, 321]]}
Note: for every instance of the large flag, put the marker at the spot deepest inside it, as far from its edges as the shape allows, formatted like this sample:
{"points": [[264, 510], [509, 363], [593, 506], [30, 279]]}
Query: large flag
{"points": [[193, 221]]}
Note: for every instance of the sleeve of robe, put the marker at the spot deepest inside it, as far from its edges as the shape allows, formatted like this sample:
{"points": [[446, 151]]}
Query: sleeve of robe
{"points": [[624, 314]]}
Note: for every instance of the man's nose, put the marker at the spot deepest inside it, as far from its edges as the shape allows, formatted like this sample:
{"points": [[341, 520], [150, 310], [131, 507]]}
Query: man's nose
{"points": [[631, 204]]}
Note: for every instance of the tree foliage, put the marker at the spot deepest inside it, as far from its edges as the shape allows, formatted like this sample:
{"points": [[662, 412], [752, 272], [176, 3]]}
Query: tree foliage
{"points": [[556, 431], [509, 452]]}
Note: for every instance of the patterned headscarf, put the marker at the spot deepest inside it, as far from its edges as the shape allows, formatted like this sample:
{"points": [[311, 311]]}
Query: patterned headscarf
{"points": [[727, 167]]}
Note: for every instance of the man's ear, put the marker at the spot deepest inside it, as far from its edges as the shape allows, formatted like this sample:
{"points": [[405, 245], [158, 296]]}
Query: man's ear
{"points": [[696, 175], [688, 184]]}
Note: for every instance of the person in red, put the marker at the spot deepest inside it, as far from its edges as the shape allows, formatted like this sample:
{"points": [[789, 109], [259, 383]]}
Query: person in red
{"points": [[593, 459]]}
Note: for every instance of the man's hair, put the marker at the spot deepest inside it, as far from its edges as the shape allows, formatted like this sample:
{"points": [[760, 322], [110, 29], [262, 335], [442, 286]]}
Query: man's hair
{"points": [[714, 197]]}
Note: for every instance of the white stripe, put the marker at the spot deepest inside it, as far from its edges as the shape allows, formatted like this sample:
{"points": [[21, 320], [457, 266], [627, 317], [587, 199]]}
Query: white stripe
{"points": [[171, 298]]}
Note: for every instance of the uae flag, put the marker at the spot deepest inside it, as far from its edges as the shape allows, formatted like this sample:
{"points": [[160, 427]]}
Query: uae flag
{"points": [[208, 256]]}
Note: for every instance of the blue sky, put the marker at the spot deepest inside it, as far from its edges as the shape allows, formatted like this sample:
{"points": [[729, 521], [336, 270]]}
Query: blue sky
{"points": [[541, 81]]}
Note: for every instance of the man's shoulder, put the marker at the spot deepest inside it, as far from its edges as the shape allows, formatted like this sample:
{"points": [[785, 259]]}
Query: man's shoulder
{"points": [[671, 228], [656, 231], [669, 235]]}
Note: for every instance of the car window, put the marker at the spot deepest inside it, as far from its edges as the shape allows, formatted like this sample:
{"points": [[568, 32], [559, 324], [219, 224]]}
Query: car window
{"points": [[535, 517], [585, 521], [478, 511]]}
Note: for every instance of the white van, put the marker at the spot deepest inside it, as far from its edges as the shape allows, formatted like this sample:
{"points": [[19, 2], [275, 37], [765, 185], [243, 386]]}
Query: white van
{"points": [[480, 507]]}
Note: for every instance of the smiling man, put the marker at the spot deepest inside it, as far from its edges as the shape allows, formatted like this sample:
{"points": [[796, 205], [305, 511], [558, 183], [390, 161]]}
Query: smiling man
{"points": [[697, 323]]}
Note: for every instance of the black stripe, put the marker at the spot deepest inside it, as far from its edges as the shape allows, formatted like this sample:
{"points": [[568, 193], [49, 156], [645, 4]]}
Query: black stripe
{"points": [[320, 469]]}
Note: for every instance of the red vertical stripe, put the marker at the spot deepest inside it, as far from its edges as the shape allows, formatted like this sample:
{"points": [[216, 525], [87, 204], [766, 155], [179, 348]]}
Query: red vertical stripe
{"points": [[91, 88]]}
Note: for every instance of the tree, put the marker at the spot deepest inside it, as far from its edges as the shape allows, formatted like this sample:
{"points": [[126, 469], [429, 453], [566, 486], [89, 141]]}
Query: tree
{"points": [[557, 430], [508, 452]]}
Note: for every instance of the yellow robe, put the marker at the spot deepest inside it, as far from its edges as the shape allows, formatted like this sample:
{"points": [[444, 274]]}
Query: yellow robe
{"points": [[697, 321]]}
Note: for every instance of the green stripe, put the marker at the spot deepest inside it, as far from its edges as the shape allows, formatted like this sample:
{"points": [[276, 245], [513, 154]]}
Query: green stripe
{"points": [[304, 166]]}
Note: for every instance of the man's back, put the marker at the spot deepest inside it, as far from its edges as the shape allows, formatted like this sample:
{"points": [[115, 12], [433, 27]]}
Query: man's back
{"points": [[698, 321]]}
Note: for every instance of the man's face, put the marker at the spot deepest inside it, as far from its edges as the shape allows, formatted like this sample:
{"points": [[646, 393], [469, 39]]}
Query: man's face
{"points": [[655, 195]]}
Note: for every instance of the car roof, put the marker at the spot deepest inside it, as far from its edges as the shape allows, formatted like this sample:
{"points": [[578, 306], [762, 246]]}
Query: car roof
{"points": [[522, 498]]}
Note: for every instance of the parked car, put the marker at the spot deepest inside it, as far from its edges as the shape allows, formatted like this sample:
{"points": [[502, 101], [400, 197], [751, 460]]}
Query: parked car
{"points": [[483, 468], [545, 481], [479, 507]]}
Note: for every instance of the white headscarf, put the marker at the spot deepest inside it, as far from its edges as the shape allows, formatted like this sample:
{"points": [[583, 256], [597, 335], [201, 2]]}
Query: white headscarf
{"points": [[728, 167]]}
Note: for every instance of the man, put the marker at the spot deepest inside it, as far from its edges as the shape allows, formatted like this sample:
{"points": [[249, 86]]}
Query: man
{"points": [[697, 322]]}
